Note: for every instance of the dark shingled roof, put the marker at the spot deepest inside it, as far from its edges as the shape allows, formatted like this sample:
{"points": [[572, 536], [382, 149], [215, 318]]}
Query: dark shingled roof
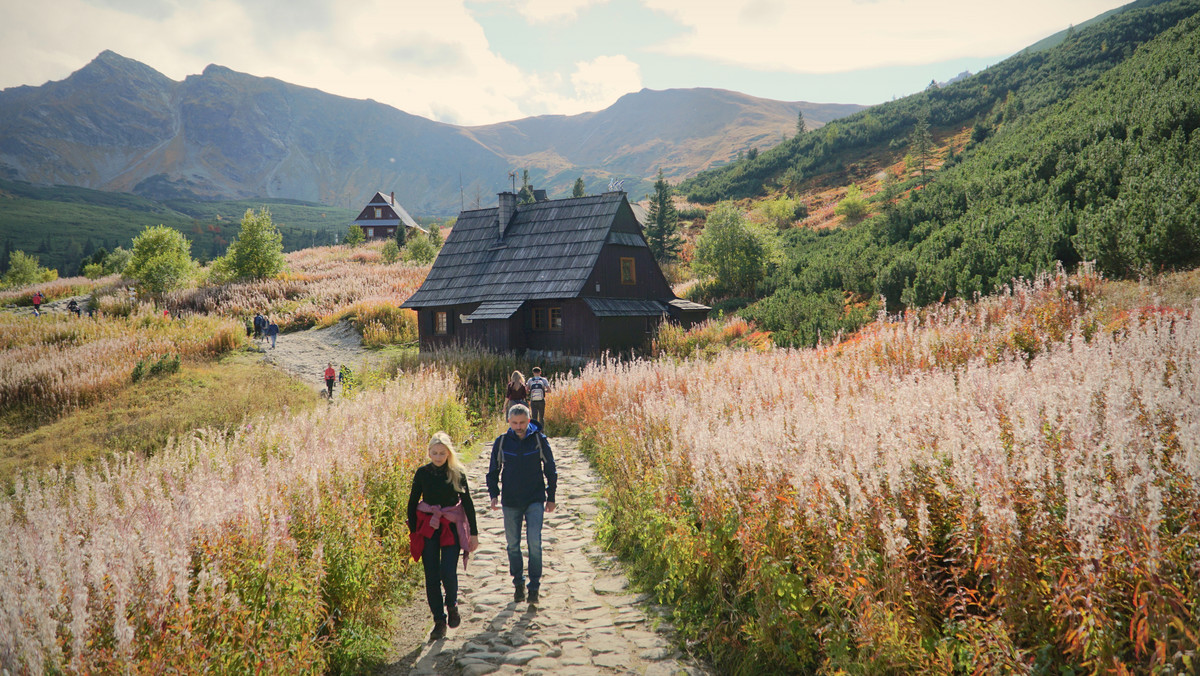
{"points": [[548, 251], [625, 307]]}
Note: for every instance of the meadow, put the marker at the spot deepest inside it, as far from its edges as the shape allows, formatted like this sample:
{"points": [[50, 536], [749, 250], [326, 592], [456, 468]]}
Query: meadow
{"points": [[1008, 486], [322, 286], [274, 548]]}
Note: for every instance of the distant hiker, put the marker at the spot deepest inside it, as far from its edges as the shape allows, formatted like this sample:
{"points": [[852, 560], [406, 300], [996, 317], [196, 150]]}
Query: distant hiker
{"points": [[538, 387], [515, 393], [37, 304], [521, 457], [343, 375], [260, 323], [73, 307], [330, 378], [272, 331], [441, 522], [249, 329], [166, 313]]}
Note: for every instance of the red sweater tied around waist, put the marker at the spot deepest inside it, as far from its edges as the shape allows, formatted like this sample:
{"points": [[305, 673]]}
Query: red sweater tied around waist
{"points": [[429, 519]]}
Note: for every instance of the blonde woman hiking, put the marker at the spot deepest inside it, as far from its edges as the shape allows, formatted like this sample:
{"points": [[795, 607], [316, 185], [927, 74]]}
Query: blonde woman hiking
{"points": [[516, 392], [441, 519]]}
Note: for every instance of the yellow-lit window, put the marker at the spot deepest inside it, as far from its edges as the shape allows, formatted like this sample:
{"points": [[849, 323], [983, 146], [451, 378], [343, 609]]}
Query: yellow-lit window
{"points": [[378, 212], [556, 319], [628, 272], [440, 322]]}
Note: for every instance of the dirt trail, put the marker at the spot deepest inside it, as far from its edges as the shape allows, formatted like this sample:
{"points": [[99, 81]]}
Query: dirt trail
{"points": [[304, 354], [588, 621]]}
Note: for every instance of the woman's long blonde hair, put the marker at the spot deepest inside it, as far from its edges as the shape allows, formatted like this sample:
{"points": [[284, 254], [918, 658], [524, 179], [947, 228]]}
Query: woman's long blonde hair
{"points": [[454, 469], [517, 378]]}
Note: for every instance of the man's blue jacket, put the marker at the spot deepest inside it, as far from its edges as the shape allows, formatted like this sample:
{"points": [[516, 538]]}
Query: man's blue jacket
{"points": [[519, 465]]}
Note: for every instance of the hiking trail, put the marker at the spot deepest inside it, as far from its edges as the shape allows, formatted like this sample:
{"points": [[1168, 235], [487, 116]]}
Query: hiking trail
{"points": [[588, 621]]}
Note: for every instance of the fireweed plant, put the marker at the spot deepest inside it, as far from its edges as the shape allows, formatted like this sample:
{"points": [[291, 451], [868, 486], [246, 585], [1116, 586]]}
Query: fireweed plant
{"points": [[273, 549], [1008, 486]]}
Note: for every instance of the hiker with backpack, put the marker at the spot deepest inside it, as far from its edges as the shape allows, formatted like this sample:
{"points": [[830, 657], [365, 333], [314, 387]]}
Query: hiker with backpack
{"points": [[330, 377], [521, 481], [441, 523], [37, 304], [515, 392], [538, 387]]}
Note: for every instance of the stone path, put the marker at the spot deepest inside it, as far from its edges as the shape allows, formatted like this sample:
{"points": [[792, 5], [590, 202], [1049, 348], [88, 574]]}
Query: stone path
{"points": [[588, 622]]}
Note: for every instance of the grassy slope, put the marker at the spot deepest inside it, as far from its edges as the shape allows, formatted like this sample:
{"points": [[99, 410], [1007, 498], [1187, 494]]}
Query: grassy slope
{"points": [[141, 417], [32, 215]]}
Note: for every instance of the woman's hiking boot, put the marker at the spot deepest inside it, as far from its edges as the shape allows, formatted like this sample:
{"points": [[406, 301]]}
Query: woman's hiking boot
{"points": [[533, 597], [439, 631], [519, 594], [453, 617]]}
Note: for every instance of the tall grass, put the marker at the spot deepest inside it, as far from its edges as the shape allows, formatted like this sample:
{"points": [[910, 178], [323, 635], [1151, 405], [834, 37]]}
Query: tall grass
{"points": [[1009, 486], [55, 289], [322, 286], [56, 362], [273, 549]]}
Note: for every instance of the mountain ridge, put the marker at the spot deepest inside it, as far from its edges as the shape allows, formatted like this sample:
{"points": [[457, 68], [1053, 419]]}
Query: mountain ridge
{"points": [[119, 124]]}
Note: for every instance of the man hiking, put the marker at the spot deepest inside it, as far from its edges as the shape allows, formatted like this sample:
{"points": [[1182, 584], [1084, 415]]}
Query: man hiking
{"points": [[521, 458], [538, 387]]}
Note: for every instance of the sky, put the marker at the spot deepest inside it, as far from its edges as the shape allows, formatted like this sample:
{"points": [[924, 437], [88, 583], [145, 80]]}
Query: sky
{"points": [[483, 61]]}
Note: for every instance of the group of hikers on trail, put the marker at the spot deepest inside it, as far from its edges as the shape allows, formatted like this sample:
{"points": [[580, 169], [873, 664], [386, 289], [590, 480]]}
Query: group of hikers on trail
{"points": [[521, 482], [263, 328], [331, 376]]}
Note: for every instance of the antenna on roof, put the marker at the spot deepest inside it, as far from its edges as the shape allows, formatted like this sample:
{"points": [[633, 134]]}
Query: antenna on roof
{"points": [[513, 175], [462, 198]]}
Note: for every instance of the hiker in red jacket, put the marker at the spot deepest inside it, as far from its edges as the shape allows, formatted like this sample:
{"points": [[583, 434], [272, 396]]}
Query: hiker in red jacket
{"points": [[441, 520], [330, 378], [37, 304]]}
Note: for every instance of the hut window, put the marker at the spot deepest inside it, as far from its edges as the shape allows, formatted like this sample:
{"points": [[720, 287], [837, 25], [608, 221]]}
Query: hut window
{"points": [[628, 273], [440, 321], [538, 319], [378, 212], [556, 319]]}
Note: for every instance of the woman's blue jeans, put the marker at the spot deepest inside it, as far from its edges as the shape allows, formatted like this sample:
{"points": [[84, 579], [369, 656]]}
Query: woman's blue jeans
{"points": [[439, 563], [531, 516]]}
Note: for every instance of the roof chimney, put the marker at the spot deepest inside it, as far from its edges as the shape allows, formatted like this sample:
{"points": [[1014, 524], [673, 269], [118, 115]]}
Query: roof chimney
{"points": [[508, 206], [539, 195], [393, 197]]}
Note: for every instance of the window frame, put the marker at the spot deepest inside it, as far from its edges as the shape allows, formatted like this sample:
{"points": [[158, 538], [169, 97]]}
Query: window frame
{"points": [[553, 313], [441, 323], [632, 280], [378, 212]]}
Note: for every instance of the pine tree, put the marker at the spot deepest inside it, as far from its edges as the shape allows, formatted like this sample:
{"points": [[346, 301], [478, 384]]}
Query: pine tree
{"points": [[800, 126], [401, 235], [525, 194], [922, 144], [662, 224], [577, 191]]}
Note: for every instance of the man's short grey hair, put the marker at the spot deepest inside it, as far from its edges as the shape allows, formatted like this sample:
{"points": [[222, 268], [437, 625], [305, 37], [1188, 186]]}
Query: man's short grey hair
{"points": [[518, 409]]}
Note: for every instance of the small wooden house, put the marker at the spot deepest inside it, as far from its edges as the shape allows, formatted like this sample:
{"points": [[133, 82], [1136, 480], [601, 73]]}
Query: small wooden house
{"points": [[382, 215], [568, 276]]}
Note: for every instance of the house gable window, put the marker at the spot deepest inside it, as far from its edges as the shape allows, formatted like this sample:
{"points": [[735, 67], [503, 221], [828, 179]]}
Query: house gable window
{"points": [[628, 271], [441, 323], [378, 212]]}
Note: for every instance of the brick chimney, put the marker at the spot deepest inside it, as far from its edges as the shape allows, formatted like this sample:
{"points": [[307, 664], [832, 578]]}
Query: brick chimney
{"points": [[508, 206], [393, 198]]}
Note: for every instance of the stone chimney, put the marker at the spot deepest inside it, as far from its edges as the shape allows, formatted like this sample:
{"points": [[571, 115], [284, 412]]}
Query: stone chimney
{"points": [[393, 198], [539, 195], [508, 206]]}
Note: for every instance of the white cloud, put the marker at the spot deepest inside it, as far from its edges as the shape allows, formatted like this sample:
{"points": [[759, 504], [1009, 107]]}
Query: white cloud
{"points": [[548, 11], [830, 37], [594, 85]]}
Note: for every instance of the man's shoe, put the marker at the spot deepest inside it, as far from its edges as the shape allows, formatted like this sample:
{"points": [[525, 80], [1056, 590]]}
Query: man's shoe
{"points": [[533, 597], [519, 594], [452, 615], [439, 631]]}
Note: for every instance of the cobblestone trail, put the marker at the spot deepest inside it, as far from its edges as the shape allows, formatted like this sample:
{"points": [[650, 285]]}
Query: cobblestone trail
{"points": [[587, 621]]}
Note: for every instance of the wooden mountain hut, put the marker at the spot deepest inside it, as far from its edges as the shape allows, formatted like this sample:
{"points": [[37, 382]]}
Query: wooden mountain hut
{"points": [[558, 277], [382, 215]]}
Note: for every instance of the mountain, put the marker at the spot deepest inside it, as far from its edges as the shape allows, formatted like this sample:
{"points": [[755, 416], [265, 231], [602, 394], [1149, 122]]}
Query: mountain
{"points": [[119, 125], [1084, 151]]}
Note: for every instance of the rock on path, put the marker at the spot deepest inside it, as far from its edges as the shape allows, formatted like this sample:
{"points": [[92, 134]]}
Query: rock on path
{"points": [[588, 622]]}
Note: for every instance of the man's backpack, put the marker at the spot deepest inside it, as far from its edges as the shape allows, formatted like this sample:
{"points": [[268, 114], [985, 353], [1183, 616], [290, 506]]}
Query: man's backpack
{"points": [[498, 453]]}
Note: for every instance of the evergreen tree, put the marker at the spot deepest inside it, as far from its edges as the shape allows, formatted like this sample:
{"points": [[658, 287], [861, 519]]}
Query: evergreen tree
{"points": [[401, 235], [577, 191], [800, 126], [922, 144], [662, 225], [525, 194], [8, 249]]}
